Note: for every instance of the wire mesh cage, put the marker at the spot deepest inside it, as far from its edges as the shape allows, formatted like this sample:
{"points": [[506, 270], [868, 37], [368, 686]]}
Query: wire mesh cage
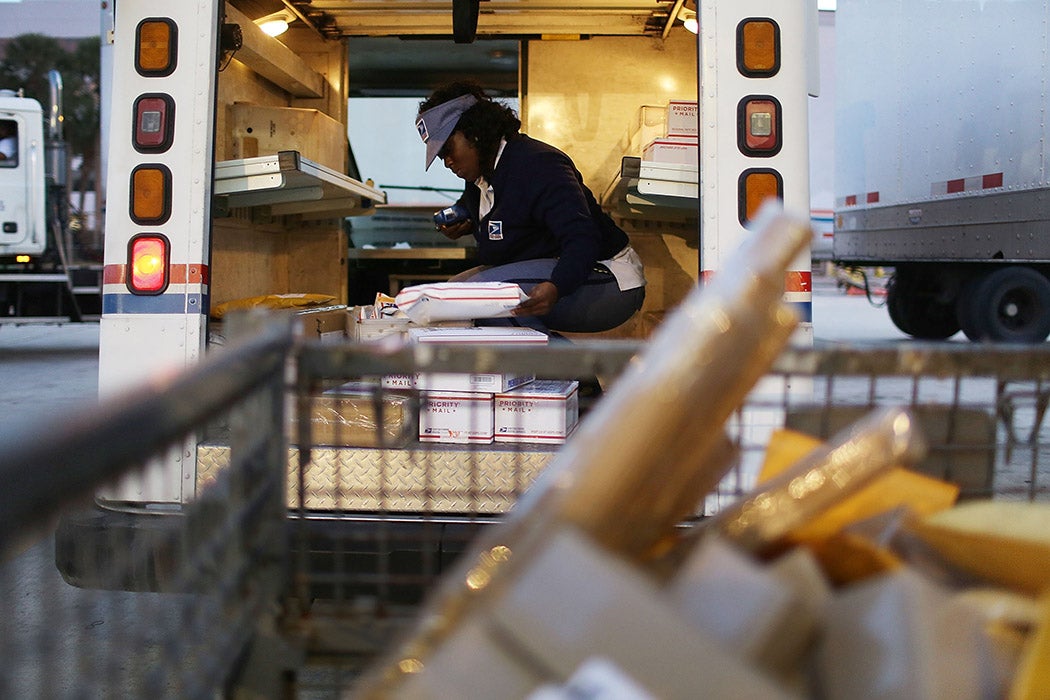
{"points": [[382, 515], [323, 517], [108, 595]]}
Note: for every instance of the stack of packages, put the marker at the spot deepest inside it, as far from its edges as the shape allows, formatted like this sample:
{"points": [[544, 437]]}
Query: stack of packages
{"points": [[680, 143], [485, 407], [470, 408], [844, 574]]}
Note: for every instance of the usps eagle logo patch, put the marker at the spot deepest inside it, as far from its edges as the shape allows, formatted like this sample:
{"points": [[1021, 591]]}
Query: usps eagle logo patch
{"points": [[421, 127], [495, 230]]}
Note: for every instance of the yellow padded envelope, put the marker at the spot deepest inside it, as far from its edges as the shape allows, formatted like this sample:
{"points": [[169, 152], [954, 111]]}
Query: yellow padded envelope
{"points": [[898, 487]]}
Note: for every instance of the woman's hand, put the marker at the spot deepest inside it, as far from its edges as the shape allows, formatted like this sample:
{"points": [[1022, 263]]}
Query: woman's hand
{"points": [[540, 302], [457, 230]]}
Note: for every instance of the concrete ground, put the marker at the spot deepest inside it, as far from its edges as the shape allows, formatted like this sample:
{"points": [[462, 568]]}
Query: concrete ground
{"points": [[47, 371]]}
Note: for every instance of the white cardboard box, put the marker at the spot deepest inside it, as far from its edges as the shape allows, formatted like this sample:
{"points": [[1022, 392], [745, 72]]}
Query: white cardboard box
{"points": [[499, 335], [365, 330], [543, 411], [681, 151], [456, 381], [399, 381], [683, 118], [490, 382], [456, 417], [484, 383]]}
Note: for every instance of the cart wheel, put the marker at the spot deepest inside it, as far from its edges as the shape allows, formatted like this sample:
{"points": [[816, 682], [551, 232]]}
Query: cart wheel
{"points": [[968, 312], [917, 307], [1013, 305]]}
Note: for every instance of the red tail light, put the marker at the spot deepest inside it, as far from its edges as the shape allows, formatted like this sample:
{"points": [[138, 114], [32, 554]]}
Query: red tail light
{"points": [[148, 258]]}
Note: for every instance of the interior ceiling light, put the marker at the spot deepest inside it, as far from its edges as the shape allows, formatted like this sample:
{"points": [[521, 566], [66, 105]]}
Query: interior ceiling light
{"points": [[276, 23]]}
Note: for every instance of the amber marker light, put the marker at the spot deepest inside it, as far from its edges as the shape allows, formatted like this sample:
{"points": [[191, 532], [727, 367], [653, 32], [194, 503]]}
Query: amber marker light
{"points": [[156, 47], [754, 188], [150, 194], [758, 48]]}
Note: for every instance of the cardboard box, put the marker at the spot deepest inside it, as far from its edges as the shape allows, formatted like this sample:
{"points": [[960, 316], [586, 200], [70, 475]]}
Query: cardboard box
{"points": [[398, 381], [681, 151], [456, 381], [461, 382], [544, 411], [482, 383], [351, 416], [327, 323], [456, 417], [683, 118], [488, 335], [365, 330]]}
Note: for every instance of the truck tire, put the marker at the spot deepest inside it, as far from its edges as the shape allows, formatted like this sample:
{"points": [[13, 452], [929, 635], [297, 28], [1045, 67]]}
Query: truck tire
{"points": [[968, 311], [1012, 305], [916, 307]]}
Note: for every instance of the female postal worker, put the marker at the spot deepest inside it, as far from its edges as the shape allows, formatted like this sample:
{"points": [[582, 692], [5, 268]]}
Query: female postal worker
{"points": [[535, 222]]}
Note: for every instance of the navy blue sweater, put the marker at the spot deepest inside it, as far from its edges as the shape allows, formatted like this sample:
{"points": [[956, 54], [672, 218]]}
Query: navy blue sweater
{"points": [[542, 209]]}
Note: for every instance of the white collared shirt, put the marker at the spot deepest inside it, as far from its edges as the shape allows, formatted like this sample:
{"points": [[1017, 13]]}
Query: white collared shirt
{"points": [[488, 197]]}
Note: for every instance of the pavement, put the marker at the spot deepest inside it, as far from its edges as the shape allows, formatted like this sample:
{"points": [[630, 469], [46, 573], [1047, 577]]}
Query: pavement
{"points": [[48, 371]]}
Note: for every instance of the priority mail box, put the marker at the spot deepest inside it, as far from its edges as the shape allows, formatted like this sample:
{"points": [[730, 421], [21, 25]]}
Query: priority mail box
{"points": [[680, 151], [683, 118], [484, 382], [456, 417], [543, 410], [399, 381], [498, 335]]}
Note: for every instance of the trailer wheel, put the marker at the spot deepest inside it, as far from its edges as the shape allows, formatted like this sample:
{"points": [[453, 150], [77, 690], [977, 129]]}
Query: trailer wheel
{"points": [[916, 306], [1013, 305], [968, 310]]}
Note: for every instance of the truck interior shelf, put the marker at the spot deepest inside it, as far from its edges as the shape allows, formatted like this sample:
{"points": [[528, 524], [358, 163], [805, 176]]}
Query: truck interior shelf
{"points": [[289, 184], [651, 190]]}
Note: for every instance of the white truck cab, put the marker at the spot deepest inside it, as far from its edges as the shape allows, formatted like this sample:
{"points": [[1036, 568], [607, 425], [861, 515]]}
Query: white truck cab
{"points": [[22, 191]]}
